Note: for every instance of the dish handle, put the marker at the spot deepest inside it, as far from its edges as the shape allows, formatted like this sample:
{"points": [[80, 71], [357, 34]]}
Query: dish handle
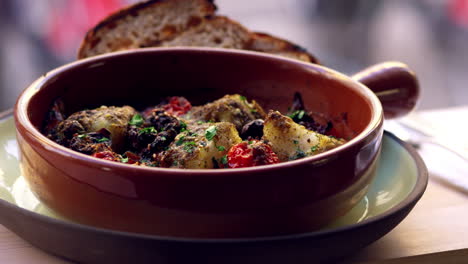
{"points": [[395, 85]]}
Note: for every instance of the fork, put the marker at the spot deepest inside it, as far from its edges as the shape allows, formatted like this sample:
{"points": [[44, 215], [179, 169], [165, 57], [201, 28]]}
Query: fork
{"points": [[446, 163]]}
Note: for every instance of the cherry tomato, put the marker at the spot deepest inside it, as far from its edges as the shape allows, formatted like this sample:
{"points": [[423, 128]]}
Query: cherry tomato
{"points": [[252, 153]]}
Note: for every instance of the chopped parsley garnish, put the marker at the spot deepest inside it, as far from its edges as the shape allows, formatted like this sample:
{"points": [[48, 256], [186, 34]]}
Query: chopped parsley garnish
{"points": [[190, 143], [224, 160], [188, 149], [199, 122], [314, 148], [104, 139], [221, 148], [183, 126], [137, 120], [299, 154], [298, 114], [250, 142], [253, 110], [163, 138], [210, 132], [243, 98], [124, 160], [180, 141], [148, 130], [189, 146], [82, 136]]}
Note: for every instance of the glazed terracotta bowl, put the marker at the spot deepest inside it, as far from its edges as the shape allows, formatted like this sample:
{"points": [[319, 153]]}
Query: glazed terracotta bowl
{"points": [[290, 197]]}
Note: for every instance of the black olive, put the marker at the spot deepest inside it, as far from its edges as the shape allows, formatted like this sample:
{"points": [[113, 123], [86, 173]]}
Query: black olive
{"points": [[162, 121], [308, 122], [138, 139], [299, 114], [253, 129], [162, 140], [92, 142], [145, 138]]}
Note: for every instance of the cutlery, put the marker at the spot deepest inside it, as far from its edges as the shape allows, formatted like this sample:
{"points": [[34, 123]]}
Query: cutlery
{"points": [[446, 162]]}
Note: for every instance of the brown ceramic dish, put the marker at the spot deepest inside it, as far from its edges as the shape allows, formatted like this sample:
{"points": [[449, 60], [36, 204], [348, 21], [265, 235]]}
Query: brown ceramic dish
{"points": [[291, 197]]}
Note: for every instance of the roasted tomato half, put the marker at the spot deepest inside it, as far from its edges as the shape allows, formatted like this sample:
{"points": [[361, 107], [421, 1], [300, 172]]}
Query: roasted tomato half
{"points": [[251, 153]]}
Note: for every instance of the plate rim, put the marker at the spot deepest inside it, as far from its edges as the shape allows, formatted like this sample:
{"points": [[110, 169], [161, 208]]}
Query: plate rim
{"points": [[409, 201]]}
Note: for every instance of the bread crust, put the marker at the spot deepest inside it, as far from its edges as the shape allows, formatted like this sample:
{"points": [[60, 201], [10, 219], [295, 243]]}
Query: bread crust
{"points": [[264, 42], [213, 32], [106, 37], [92, 36]]}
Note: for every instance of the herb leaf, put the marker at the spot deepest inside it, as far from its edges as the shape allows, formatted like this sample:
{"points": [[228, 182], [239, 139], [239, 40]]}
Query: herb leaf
{"points": [[137, 120], [298, 114], [103, 139], [190, 143], [189, 146], [180, 141], [183, 126], [221, 148], [148, 130], [210, 132], [224, 159], [314, 148], [299, 154]]}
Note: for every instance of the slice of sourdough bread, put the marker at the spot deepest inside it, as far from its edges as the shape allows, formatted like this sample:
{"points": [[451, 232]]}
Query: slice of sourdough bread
{"points": [[266, 43], [217, 31], [169, 23], [144, 24]]}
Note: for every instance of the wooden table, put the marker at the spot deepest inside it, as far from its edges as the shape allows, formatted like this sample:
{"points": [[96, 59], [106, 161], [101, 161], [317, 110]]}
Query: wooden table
{"points": [[438, 223]]}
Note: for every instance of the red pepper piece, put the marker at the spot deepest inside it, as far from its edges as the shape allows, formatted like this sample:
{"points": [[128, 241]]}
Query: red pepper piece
{"points": [[106, 155], [177, 106]]}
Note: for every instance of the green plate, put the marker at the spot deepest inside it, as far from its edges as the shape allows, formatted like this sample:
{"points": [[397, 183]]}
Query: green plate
{"points": [[400, 182]]}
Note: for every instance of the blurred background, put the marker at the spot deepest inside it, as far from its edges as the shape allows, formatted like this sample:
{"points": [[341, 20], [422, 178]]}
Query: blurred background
{"points": [[431, 36]]}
